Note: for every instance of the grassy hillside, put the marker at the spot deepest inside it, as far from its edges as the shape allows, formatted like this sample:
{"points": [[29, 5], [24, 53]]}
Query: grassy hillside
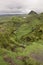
{"points": [[21, 40]]}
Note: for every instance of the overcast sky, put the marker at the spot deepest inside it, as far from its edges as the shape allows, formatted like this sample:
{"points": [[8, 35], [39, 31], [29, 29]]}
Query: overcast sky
{"points": [[20, 6]]}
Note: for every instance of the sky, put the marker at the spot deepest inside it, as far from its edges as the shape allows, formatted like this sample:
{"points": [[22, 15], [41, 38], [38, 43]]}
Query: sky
{"points": [[20, 6]]}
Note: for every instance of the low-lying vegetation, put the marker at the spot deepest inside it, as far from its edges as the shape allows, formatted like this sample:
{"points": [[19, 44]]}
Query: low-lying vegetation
{"points": [[21, 40]]}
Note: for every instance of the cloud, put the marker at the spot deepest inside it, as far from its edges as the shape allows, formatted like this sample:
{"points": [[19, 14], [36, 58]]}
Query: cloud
{"points": [[20, 6]]}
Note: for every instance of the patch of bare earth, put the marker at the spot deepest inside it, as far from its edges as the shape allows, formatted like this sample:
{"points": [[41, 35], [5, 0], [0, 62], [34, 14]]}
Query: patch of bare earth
{"points": [[9, 60], [22, 58], [37, 57]]}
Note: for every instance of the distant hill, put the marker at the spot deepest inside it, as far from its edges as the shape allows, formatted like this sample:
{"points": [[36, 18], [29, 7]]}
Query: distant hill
{"points": [[12, 14], [32, 12]]}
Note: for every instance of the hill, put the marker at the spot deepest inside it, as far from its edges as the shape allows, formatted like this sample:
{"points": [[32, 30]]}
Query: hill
{"points": [[21, 40], [32, 12]]}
